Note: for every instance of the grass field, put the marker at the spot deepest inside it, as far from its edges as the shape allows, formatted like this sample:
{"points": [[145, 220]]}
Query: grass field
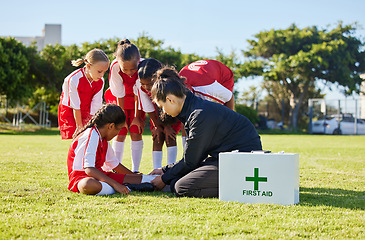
{"points": [[35, 202]]}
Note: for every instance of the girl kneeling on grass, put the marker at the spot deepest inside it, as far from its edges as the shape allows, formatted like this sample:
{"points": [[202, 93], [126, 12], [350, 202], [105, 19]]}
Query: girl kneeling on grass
{"points": [[91, 158]]}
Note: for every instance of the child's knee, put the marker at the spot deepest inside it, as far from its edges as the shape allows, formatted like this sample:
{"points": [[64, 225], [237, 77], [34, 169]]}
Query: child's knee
{"points": [[89, 186]]}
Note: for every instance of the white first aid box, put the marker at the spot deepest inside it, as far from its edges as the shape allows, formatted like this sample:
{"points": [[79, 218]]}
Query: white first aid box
{"points": [[259, 177]]}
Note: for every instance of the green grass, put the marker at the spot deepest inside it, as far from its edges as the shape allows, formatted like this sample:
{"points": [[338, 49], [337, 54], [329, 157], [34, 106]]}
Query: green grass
{"points": [[35, 202]]}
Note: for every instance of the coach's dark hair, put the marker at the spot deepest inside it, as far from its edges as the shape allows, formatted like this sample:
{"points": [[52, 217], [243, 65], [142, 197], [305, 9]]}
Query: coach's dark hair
{"points": [[168, 82], [108, 113], [127, 51], [148, 67]]}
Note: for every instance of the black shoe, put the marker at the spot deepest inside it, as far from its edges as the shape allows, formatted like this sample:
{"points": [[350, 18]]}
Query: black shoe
{"points": [[142, 187]]}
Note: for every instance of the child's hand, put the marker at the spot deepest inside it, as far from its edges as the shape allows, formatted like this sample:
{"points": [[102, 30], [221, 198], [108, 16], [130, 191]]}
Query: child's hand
{"points": [[121, 189], [139, 123], [157, 133], [170, 133], [157, 171]]}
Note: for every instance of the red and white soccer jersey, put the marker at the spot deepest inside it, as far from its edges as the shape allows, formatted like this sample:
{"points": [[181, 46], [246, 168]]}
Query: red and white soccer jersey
{"points": [[78, 93], [122, 86], [144, 98], [90, 150], [145, 104], [209, 79]]}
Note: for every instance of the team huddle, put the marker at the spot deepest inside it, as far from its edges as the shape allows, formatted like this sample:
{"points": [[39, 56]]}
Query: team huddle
{"points": [[197, 101]]}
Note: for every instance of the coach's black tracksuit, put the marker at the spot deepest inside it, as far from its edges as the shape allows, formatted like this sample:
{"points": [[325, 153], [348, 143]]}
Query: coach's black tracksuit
{"points": [[211, 128]]}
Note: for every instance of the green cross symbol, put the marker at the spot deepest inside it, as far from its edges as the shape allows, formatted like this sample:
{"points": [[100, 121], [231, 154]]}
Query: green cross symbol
{"points": [[256, 179]]}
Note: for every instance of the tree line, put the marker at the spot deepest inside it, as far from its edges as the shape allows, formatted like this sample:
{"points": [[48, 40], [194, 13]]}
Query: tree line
{"points": [[291, 61]]}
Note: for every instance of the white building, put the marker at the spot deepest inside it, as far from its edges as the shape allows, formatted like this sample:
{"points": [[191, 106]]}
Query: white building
{"points": [[51, 34]]}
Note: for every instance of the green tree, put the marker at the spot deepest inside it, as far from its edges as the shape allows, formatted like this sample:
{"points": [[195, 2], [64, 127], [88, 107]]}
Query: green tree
{"points": [[248, 112], [150, 48], [296, 58], [231, 61], [15, 76]]}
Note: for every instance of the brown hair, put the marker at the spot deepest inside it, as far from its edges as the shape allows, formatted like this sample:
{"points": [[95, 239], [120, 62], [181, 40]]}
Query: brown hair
{"points": [[93, 56], [168, 81], [148, 68], [127, 51], [108, 113]]}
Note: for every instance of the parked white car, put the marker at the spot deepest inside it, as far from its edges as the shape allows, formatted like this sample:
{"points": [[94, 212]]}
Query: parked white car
{"points": [[346, 126]]}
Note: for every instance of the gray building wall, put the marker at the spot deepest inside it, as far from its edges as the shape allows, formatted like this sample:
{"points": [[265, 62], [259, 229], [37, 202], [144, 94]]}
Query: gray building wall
{"points": [[51, 34]]}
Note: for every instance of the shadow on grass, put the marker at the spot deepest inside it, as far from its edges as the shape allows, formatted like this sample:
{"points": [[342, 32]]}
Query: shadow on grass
{"points": [[332, 197], [29, 131], [157, 194]]}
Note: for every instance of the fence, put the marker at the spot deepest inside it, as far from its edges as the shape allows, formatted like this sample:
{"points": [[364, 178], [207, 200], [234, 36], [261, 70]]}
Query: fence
{"points": [[21, 113], [320, 109]]}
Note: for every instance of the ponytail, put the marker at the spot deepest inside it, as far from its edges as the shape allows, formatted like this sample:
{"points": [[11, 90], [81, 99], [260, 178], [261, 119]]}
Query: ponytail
{"points": [[77, 62], [92, 57], [127, 51], [124, 41], [168, 81]]}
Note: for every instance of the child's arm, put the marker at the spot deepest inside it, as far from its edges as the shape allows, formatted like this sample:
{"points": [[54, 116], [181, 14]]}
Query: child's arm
{"points": [[78, 119], [230, 103], [120, 102], [75, 102], [100, 176], [122, 169]]}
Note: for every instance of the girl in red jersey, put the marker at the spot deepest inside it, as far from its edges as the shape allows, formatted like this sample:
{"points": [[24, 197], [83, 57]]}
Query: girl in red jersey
{"points": [[210, 80], [122, 78], [91, 158], [82, 92], [165, 128]]}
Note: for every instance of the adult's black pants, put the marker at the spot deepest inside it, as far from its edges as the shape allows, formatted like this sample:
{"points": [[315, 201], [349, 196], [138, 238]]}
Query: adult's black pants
{"points": [[201, 182]]}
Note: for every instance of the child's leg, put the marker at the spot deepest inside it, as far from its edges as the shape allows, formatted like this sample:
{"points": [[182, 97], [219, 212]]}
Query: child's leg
{"points": [[157, 153], [138, 178], [171, 151], [89, 186], [106, 189], [134, 182], [136, 149], [118, 146]]}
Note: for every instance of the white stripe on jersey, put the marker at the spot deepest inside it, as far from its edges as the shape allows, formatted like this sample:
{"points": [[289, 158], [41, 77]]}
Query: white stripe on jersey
{"points": [[85, 152], [97, 101], [214, 91], [116, 81], [69, 89], [143, 99]]}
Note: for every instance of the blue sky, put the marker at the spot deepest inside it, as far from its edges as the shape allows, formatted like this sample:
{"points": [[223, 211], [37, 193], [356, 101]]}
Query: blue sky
{"points": [[191, 26]]}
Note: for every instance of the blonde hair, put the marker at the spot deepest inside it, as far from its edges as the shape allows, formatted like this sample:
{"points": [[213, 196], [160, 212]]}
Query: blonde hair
{"points": [[93, 56]]}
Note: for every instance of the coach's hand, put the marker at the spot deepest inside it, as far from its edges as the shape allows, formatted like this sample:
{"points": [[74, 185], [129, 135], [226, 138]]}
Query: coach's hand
{"points": [[158, 183]]}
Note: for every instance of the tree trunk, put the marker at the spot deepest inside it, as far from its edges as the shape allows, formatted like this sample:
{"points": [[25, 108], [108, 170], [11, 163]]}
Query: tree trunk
{"points": [[296, 103]]}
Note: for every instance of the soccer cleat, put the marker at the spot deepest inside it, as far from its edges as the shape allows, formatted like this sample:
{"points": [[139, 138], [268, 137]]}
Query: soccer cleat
{"points": [[142, 187]]}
